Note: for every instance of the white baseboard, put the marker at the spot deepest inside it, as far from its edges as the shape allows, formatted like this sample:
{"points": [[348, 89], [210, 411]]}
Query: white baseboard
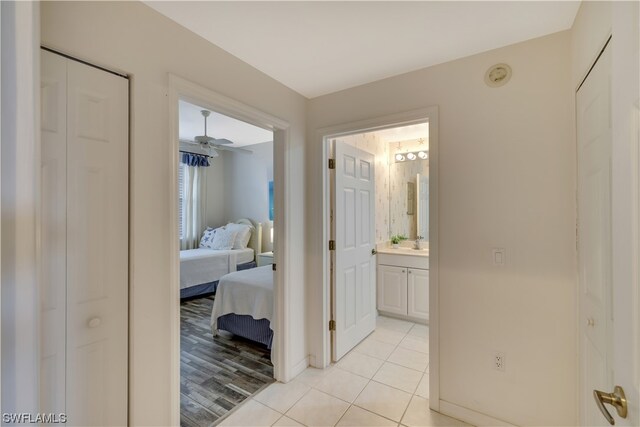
{"points": [[470, 416], [298, 368]]}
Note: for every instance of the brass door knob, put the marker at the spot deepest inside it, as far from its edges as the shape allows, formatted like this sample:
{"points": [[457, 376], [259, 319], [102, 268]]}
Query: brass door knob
{"points": [[591, 321], [617, 399]]}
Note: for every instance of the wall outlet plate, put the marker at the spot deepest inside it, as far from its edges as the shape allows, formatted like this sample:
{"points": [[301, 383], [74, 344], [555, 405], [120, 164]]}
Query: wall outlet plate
{"points": [[499, 361]]}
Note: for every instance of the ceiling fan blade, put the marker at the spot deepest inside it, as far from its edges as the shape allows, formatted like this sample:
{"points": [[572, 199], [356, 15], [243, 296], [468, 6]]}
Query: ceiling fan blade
{"points": [[236, 149], [221, 141]]}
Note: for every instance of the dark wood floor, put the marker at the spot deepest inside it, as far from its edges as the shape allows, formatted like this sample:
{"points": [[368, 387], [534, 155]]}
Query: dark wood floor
{"points": [[216, 373]]}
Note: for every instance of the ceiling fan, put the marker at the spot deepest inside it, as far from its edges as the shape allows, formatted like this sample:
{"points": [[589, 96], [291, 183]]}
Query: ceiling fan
{"points": [[211, 144]]}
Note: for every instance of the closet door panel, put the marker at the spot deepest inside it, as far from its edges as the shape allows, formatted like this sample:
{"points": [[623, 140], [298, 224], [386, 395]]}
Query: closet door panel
{"points": [[97, 263], [53, 231]]}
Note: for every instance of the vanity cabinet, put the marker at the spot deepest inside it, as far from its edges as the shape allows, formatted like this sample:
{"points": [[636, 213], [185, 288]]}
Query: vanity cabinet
{"points": [[403, 291]]}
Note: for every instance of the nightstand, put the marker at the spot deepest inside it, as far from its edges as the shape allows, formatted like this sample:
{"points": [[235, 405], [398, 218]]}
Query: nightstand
{"points": [[264, 258]]}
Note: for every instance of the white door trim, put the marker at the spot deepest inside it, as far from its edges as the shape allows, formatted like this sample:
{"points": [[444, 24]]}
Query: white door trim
{"points": [[323, 136], [180, 88]]}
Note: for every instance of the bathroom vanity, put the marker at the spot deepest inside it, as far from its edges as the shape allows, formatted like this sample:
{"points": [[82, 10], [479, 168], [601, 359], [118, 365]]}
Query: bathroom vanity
{"points": [[403, 283]]}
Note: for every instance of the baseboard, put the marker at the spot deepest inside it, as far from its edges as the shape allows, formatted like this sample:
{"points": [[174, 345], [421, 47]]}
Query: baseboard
{"points": [[470, 416], [298, 368]]}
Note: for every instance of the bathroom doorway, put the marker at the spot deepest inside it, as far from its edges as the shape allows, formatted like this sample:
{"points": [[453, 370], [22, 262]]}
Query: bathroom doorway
{"points": [[380, 231]]}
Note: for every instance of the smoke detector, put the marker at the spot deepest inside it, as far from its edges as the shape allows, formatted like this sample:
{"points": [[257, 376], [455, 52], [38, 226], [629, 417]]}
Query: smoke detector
{"points": [[497, 75]]}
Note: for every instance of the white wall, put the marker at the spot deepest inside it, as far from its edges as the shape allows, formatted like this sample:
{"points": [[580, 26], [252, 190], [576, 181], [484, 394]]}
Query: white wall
{"points": [[507, 179], [131, 37], [214, 211], [246, 186]]}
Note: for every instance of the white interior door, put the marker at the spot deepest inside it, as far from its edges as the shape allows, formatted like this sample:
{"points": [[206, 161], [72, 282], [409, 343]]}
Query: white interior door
{"points": [[97, 246], [593, 107], [608, 344], [53, 232], [84, 256], [354, 284]]}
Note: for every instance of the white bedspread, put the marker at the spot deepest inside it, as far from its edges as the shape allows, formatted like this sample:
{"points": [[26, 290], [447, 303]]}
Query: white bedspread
{"points": [[204, 265], [247, 292]]}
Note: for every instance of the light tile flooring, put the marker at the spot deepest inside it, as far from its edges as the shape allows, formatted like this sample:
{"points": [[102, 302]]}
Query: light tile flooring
{"points": [[384, 381]]}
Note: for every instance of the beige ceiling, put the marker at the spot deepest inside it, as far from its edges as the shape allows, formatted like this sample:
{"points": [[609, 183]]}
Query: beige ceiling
{"points": [[321, 47]]}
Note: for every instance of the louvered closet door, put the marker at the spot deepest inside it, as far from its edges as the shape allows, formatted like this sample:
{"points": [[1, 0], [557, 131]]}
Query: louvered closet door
{"points": [[84, 229]]}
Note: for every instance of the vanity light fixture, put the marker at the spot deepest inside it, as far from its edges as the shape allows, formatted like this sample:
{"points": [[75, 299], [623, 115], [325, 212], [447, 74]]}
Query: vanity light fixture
{"points": [[414, 155]]}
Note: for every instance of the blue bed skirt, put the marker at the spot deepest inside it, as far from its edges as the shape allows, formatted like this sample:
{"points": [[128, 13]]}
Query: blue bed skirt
{"points": [[247, 327], [210, 288]]}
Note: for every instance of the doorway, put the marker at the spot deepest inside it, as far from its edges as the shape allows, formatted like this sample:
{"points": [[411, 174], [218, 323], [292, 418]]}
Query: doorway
{"points": [[182, 91], [330, 139], [226, 217]]}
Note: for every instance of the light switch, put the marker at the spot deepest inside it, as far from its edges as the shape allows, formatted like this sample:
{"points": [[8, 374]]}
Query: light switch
{"points": [[498, 256]]}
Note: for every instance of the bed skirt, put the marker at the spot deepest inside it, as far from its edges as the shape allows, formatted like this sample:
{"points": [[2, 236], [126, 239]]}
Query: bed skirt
{"points": [[205, 289], [247, 327]]}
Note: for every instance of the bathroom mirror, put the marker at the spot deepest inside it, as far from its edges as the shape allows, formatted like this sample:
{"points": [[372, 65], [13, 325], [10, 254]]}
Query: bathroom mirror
{"points": [[409, 199]]}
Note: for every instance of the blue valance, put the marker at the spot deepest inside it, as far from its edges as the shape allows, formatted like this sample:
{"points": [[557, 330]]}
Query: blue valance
{"points": [[192, 159]]}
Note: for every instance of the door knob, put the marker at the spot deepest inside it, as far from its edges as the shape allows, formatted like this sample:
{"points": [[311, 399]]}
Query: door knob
{"points": [[94, 322], [617, 399], [590, 321]]}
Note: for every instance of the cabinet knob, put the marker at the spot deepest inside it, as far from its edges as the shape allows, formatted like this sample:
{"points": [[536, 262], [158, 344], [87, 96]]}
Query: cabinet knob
{"points": [[403, 270], [94, 322]]}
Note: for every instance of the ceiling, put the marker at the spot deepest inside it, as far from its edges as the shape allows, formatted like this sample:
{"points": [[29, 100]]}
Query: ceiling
{"points": [[219, 126], [321, 47]]}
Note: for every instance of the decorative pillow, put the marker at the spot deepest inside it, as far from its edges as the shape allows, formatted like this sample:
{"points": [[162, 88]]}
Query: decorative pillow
{"points": [[243, 236], [207, 237], [223, 239]]}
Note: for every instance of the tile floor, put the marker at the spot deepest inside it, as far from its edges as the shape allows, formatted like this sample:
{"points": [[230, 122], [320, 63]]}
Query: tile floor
{"points": [[384, 381]]}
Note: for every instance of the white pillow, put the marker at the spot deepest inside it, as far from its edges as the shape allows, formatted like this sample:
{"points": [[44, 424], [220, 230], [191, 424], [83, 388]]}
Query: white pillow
{"points": [[207, 237], [223, 239], [243, 236]]}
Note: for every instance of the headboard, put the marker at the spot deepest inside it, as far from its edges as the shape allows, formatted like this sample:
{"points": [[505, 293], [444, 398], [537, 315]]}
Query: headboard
{"points": [[255, 242]]}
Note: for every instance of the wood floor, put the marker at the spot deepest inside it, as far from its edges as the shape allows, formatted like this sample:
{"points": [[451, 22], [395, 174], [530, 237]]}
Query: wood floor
{"points": [[216, 373]]}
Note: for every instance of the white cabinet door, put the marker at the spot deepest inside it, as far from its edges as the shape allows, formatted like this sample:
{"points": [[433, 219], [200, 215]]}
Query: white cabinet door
{"points": [[392, 289], [418, 293]]}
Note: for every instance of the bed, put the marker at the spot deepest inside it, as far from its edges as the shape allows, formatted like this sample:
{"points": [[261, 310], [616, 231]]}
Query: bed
{"points": [[244, 305], [202, 268]]}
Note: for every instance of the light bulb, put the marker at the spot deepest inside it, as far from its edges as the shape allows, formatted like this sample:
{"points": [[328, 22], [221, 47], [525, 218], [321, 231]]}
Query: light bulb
{"points": [[423, 155], [411, 156], [399, 157]]}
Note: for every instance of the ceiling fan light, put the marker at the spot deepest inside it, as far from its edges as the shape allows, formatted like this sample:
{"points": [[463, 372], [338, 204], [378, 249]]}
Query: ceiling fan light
{"points": [[423, 155], [411, 156], [399, 157]]}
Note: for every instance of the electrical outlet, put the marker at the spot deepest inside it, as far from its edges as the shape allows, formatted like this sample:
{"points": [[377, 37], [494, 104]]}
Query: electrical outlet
{"points": [[499, 362]]}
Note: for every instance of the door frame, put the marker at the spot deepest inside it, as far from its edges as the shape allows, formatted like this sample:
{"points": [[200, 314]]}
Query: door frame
{"points": [[182, 89], [323, 137]]}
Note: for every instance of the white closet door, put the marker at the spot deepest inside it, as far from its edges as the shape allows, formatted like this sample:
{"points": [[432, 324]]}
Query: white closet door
{"points": [[53, 231], [97, 246]]}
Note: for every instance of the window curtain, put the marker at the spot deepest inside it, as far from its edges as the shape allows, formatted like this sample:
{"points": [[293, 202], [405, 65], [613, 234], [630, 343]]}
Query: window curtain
{"points": [[194, 183]]}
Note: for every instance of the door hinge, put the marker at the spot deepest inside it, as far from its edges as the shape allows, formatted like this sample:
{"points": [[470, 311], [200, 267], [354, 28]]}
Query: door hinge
{"points": [[332, 325], [273, 267], [332, 245], [332, 163]]}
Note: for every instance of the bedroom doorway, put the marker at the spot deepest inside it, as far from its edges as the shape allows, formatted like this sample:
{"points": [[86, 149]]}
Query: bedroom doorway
{"points": [[227, 209], [384, 301]]}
